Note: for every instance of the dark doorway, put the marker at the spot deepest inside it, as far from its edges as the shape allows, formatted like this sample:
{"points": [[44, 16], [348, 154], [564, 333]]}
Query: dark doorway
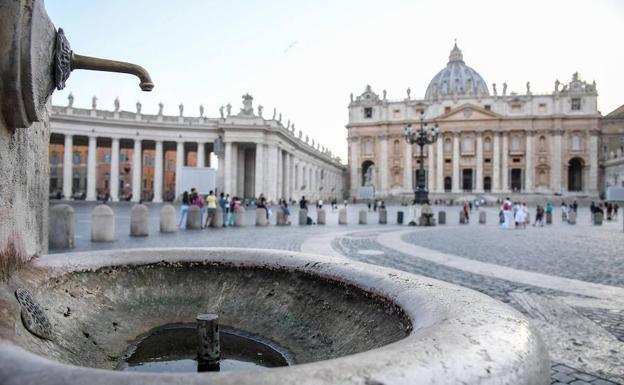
{"points": [[368, 173], [448, 184], [516, 179], [575, 174], [487, 184], [467, 179]]}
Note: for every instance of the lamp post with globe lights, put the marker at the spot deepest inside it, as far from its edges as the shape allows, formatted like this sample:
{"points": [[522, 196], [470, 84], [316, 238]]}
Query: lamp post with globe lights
{"points": [[422, 137]]}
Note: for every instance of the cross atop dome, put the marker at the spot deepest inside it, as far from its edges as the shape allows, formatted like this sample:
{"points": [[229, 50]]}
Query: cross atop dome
{"points": [[456, 54]]}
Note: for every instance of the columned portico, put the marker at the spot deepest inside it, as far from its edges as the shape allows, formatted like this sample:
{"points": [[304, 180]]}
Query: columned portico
{"points": [[439, 166], [505, 164], [114, 172], [227, 177], [528, 162], [259, 185], [201, 154], [479, 153], [91, 168], [178, 166], [158, 172], [67, 166], [455, 187], [496, 186], [137, 159]]}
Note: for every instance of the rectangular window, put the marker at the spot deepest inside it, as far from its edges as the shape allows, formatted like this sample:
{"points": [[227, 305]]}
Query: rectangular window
{"points": [[516, 160], [576, 104], [447, 109], [488, 160], [447, 161], [487, 107], [396, 114], [542, 107], [368, 112], [516, 108]]}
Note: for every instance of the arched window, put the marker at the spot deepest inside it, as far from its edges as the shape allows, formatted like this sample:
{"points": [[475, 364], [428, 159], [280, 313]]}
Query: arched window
{"points": [[487, 144], [448, 145]]}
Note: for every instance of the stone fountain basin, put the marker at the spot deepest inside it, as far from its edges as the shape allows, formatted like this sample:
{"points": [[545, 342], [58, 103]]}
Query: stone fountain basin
{"points": [[344, 322]]}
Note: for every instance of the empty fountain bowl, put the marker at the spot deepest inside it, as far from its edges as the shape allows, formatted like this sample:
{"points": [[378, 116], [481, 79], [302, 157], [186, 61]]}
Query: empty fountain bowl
{"points": [[342, 322]]}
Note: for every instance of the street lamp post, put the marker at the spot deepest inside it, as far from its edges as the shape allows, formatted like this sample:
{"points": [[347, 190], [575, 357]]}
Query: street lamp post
{"points": [[421, 137]]}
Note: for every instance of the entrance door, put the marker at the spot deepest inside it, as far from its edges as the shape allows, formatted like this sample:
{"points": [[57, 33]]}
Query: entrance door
{"points": [[516, 179], [575, 175], [467, 179], [487, 184]]}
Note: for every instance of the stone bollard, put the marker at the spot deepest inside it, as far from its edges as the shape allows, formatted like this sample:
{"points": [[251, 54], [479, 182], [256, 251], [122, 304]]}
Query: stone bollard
{"points": [[320, 217], [342, 216], [139, 221], [239, 217], [549, 218], [102, 224], [441, 217], [572, 218], [282, 219], [462, 218], [261, 219], [303, 217], [362, 217], [194, 218], [218, 221], [168, 219], [61, 227], [383, 216], [482, 217], [598, 218]]}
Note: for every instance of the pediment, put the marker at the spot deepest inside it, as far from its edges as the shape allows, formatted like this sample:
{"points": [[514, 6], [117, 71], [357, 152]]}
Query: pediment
{"points": [[468, 112]]}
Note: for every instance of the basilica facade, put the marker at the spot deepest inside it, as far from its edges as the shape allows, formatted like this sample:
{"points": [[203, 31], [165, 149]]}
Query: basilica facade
{"points": [[491, 142]]}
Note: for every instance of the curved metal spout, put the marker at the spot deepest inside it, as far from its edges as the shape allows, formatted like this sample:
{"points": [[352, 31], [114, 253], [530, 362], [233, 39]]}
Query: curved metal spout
{"points": [[97, 64]]}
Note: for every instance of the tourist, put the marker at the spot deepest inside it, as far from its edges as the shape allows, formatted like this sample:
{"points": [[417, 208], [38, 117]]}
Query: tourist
{"points": [[564, 211], [615, 211], [575, 207], [184, 209], [235, 205], [224, 211], [520, 215], [539, 216], [609, 211], [369, 205], [196, 200], [211, 203], [320, 203], [261, 203], [549, 209], [507, 213], [228, 205], [467, 212], [303, 203], [382, 205], [285, 210]]}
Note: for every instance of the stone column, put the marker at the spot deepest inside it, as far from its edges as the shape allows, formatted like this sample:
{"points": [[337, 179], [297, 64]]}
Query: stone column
{"points": [[431, 171], [114, 171], [158, 172], [383, 164], [440, 165], [68, 173], [528, 163], [227, 176], [293, 177], [240, 171], [91, 168], [555, 164], [137, 160], [179, 164], [280, 175], [408, 170], [479, 184], [354, 166], [287, 175], [505, 164], [201, 154], [259, 183], [592, 186], [496, 188], [233, 171], [456, 188]]}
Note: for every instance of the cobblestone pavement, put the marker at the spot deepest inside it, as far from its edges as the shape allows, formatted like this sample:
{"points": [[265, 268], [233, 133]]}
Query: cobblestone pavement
{"points": [[585, 334]]}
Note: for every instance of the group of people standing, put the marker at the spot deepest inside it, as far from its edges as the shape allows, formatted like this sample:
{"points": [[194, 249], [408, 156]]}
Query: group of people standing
{"points": [[208, 208], [516, 214]]}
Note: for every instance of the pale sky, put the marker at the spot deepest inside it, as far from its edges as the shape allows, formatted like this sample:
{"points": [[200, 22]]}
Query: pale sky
{"points": [[305, 57]]}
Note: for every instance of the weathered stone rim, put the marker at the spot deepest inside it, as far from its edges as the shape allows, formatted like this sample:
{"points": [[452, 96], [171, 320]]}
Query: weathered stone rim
{"points": [[458, 334]]}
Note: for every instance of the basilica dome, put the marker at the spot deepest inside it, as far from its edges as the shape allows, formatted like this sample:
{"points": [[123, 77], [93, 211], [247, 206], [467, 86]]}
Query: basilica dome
{"points": [[456, 79]]}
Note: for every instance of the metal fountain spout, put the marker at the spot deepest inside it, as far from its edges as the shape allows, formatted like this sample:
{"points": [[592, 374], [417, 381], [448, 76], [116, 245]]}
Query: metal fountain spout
{"points": [[67, 61]]}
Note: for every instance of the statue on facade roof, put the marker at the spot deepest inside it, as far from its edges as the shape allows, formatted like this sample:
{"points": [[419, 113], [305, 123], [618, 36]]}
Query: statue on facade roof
{"points": [[94, 102], [70, 100], [504, 88], [351, 96], [116, 104], [528, 87], [228, 108], [260, 108], [274, 113], [307, 138], [201, 110], [280, 118], [384, 94], [300, 134], [288, 124], [292, 128], [160, 108], [557, 83], [247, 105], [575, 76], [409, 92], [138, 107], [181, 108], [221, 111], [494, 89]]}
